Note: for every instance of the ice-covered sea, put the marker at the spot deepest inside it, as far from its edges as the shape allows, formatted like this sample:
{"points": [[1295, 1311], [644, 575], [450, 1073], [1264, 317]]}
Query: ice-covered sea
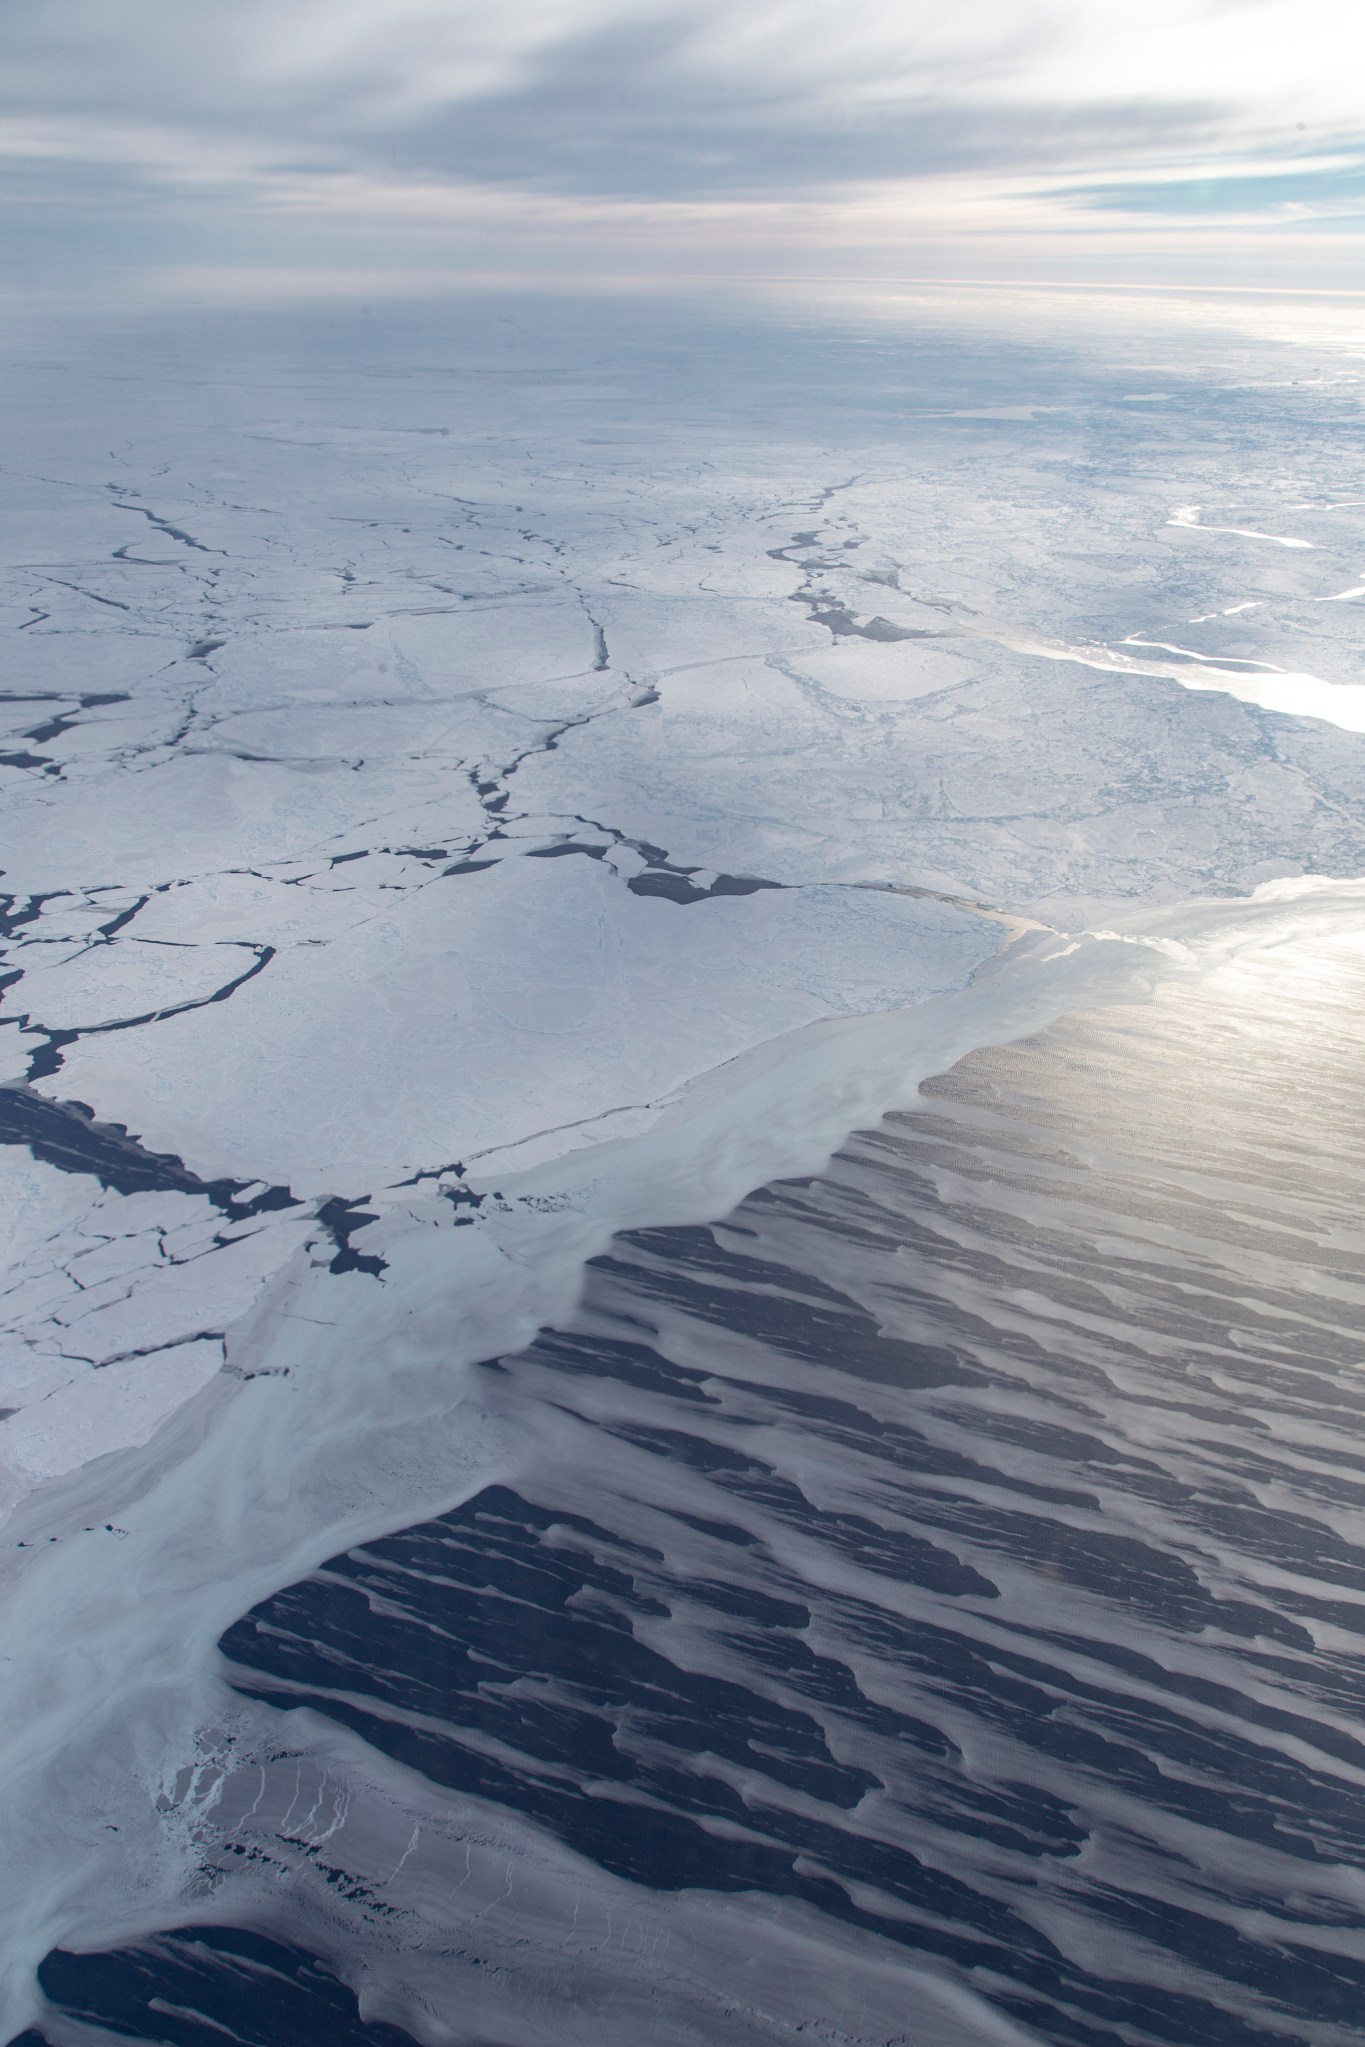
{"points": [[682, 1179]]}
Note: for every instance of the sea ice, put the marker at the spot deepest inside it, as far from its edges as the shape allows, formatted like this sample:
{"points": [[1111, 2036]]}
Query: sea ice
{"points": [[551, 787]]}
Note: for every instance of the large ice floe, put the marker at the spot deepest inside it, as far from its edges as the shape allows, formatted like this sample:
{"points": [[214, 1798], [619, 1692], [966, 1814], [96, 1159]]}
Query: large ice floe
{"points": [[520, 1528]]}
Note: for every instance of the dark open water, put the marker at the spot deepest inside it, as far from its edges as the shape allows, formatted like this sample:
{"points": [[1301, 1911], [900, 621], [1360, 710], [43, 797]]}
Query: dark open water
{"points": [[964, 1547]]}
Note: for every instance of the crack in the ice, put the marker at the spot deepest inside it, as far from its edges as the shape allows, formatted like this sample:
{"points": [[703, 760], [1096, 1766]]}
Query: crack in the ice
{"points": [[151, 1350], [49, 1058], [826, 609], [11, 919], [341, 1219], [165, 526], [65, 721], [69, 1137], [80, 590]]}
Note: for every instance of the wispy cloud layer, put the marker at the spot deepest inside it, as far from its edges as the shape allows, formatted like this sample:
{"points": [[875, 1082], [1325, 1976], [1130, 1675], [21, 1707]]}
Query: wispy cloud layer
{"points": [[602, 137]]}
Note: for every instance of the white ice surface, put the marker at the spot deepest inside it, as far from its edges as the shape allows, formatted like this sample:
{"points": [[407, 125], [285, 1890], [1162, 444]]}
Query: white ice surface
{"points": [[540, 993], [118, 1408]]}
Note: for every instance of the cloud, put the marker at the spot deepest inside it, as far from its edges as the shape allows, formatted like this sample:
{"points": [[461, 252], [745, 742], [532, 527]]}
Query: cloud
{"points": [[297, 131], [1329, 189]]}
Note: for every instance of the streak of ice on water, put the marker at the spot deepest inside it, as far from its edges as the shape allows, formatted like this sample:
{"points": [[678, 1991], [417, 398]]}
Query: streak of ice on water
{"points": [[1293, 693], [1188, 516]]}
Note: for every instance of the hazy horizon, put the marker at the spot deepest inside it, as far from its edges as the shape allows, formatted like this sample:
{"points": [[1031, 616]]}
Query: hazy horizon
{"points": [[244, 153]]}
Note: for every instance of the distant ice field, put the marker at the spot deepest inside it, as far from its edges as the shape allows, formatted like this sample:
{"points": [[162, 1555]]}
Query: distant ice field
{"points": [[488, 788]]}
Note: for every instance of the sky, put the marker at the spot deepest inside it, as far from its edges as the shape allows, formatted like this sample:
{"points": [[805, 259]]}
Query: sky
{"points": [[231, 149]]}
